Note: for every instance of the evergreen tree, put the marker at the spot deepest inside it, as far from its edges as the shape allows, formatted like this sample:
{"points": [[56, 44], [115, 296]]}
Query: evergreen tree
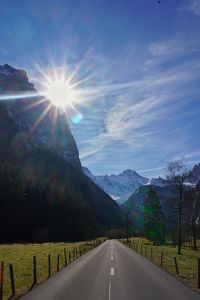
{"points": [[154, 222]]}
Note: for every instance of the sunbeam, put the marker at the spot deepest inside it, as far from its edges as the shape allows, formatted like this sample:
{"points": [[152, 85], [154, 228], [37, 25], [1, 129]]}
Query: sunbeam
{"points": [[41, 117], [25, 95]]}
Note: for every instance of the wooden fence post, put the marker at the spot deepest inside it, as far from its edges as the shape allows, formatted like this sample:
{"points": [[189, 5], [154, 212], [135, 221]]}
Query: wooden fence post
{"points": [[1, 279], [34, 270], [49, 265], [70, 257], [73, 254], [198, 273], [145, 252], [58, 262], [12, 280], [65, 255], [141, 249], [161, 259], [176, 265], [151, 254]]}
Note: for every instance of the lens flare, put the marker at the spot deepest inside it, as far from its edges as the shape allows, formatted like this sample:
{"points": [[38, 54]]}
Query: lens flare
{"points": [[77, 118]]}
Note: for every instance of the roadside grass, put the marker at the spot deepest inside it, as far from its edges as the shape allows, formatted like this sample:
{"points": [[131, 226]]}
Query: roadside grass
{"points": [[21, 258], [187, 262]]}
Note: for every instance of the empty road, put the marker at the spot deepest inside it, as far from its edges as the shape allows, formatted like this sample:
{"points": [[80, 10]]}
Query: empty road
{"points": [[111, 271]]}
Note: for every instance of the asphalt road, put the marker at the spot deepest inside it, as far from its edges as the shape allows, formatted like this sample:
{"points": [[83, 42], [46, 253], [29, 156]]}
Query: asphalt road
{"points": [[111, 271]]}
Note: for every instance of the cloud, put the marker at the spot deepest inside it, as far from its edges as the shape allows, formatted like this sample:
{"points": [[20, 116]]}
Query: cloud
{"points": [[192, 154], [192, 6], [140, 112], [142, 119], [152, 169], [169, 47]]}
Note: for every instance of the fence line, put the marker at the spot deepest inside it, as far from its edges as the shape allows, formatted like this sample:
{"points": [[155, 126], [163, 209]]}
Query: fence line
{"points": [[1, 279], [40, 269], [159, 258]]}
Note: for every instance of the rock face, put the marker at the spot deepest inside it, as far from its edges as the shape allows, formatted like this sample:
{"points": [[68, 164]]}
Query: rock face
{"points": [[119, 187], [39, 143], [37, 119], [196, 173], [12, 79]]}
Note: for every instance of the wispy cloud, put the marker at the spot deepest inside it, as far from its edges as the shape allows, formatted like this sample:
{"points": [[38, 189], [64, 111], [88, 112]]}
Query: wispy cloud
{"points": [[147, 119], [193, 6], [163, 169], [141, 110], [167, 47], [152, 169]]}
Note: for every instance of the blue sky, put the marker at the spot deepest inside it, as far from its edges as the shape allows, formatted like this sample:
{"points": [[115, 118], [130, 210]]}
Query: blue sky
{"points": [[141, 61]]}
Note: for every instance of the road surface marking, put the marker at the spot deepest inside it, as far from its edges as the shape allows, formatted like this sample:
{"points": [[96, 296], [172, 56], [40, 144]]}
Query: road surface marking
{"points": [[110, 289], [112, 272], [112, 258]]}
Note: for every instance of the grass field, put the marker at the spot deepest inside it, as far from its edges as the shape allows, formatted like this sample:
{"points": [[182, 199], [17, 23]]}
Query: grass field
{"points": [[21, 257], [187, 262]]}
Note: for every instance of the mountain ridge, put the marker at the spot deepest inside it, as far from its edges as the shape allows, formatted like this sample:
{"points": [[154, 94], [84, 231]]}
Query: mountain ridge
{"points": [[68, 204], [123, 185], [120, 186]]}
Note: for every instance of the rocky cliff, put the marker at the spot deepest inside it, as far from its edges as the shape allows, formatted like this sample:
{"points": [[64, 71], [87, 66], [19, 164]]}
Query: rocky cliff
{"points": [[41, 180], [36, 118]]}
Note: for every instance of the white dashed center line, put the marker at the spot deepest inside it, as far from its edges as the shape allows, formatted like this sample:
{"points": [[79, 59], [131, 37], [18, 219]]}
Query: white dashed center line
{"points": [[112, 271], [110, 289]]}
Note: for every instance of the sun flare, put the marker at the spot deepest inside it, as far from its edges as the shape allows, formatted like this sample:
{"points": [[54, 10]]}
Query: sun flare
{"points": [[60, 93]]}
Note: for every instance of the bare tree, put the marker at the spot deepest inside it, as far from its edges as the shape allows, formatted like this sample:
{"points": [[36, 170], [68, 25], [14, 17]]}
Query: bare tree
{"points": [[177, 175]]}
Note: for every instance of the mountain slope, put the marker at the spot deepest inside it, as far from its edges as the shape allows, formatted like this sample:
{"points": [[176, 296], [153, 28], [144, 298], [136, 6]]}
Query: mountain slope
{"points": [[39, 122], [119, 187], [68, 204], [168, 196]]}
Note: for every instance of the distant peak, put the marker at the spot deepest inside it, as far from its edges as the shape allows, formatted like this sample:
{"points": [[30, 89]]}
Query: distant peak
{"points": [[129, 171]]}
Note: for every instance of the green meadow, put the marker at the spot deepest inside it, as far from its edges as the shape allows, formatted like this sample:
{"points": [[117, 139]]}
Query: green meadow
{"points": [[21, 258], [187, 262]]}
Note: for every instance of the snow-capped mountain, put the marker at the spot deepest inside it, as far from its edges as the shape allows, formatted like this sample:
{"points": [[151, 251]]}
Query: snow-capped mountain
{"points": [[159, 181], [119, 187], [167, 194]]}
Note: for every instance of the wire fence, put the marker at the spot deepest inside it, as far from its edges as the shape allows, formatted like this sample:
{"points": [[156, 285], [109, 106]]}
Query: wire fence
{"points": [[29, 265], [185, 267]]}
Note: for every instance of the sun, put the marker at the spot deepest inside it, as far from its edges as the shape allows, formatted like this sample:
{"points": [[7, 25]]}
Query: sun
{"points": [[59, 92]]}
